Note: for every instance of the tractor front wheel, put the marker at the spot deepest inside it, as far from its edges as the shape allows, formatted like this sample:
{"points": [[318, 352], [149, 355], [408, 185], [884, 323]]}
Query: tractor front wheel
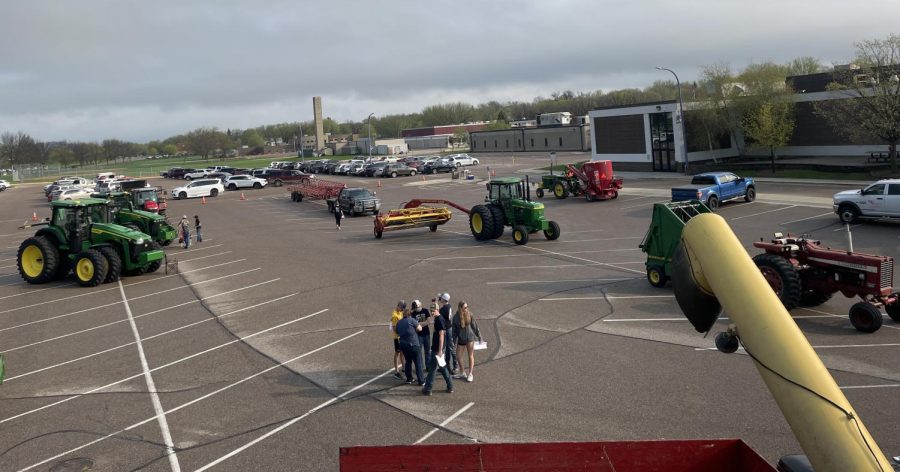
{"points": [[520, 235], [38, 260], [865, 317], [114, 262], [90, 268], [552, 233], [481, 223], [782, 277], [559, 191], [539, 192], [893, 310], [656, 276]]}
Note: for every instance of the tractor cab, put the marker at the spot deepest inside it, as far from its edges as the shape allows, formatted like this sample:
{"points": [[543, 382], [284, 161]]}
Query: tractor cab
{"points": [[75, 219], [147, 199]]}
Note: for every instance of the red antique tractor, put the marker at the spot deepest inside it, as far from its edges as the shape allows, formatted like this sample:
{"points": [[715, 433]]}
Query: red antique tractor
{"points": [[595, 180], [802, 273]]}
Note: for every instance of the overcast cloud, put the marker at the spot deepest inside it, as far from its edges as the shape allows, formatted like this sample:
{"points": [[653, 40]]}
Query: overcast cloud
{"points": [[92, 69]]}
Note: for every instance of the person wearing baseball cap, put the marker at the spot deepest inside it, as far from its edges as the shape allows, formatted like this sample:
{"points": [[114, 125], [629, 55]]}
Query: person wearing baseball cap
{"points": [[449, 344], [396, 316], [422, 315]]}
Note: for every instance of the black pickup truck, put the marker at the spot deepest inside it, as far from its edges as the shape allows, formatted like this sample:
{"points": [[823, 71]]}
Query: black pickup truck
{"points": [[356, 201]]}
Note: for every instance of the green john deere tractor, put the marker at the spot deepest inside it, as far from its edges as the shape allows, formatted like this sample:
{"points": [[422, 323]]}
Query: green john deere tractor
{"points": [[124, 213], [79, 237], [508, 203]]}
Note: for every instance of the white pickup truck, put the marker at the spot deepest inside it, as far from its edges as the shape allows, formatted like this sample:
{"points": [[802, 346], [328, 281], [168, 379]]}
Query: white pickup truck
{"points": [[880, 199]]}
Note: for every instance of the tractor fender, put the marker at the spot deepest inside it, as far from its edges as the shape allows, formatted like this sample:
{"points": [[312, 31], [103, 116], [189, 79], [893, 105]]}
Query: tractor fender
{"points": [[51, 235]]}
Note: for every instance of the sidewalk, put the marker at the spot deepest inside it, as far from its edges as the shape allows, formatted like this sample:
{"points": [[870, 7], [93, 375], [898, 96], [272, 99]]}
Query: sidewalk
{"points": [[687, 178]]}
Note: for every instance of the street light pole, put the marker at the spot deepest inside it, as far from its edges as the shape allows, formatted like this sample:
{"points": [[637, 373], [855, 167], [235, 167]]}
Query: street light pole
{"points": [[369, 142], [681, 107]]}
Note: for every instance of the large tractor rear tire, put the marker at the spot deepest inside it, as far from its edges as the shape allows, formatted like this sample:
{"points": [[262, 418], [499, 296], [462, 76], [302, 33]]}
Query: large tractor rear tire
{"points": [[865, 317], [811, 298], [520, 235], [155, 265], [893, 310], [552, 233], [559, 191], [38, 260], [90, 268], [481, 223], [782, 277], [114, 262], [499, 220]]}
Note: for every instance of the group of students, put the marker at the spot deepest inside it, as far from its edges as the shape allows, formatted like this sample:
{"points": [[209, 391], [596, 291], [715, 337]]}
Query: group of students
{"points": [[436, 339], [184, 231]]}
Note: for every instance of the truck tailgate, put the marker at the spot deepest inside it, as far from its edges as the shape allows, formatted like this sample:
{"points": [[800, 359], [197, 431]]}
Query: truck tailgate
{"points": [[687, 193]]}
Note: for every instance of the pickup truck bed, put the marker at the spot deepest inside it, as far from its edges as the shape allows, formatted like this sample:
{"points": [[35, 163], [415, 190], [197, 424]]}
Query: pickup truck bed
{"points": [[714, 188]]}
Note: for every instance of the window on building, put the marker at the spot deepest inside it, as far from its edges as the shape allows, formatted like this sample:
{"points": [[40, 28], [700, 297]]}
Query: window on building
{"points": [[474, 144], [518, 143], [495, 144], [560, 141], [507, 143], [532, 142], [546, 142], [485, 143]]}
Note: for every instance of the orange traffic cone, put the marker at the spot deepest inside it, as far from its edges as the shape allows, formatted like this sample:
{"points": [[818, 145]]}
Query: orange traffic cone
{"points": [[204, 201], [242, 196], [379, 183], [34, 216]]}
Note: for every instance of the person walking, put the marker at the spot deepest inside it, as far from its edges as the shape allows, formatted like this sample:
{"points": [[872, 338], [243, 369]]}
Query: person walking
{"points": [[422, 315], [438, 338], [396, 316], [338, 216], [408, 329], [450, 346], [185, 228], [197, 229], [465, 331]]}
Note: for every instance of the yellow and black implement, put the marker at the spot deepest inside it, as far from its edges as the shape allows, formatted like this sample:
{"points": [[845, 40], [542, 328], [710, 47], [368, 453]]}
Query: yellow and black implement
{"points": [[406, 218]]}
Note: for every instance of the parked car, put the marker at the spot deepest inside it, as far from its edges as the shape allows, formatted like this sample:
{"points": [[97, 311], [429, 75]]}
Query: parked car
{"points": [[235, 170], [196, 174], [713, 188], [3, 185], [374, 168], [73, 194], [244, 181], [218, 175], [397, 169], [460, 160], [261, 173], [318, 167], [439, 166], [178, 172], [279, 177], [878, 200], [199, 188]]}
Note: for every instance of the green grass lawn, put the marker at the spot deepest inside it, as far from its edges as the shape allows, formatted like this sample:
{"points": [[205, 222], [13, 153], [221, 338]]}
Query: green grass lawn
{"points": [[561, 168]]}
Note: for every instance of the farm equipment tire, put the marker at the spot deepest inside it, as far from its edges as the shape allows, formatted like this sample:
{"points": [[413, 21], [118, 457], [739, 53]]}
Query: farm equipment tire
{"points": [[782, 277], [520, 235], [559, 191], [811, 298], [331, 207], [865, 317], [656, 275], [114, 262], [893, 310], [727, 343], [552, 233], [433, 228], [615, 195], [713, 203], [38, 260], [257, 185], [848, 214], [481, 223], [90, 268], [499, 220], [539, 192], [750, 195], [589, 196], [155, 265]]}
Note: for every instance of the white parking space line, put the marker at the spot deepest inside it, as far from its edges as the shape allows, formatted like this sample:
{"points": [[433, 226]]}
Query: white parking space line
{"points": [[93, 292], [845, 316], [438, 248], [177, 361], [643, 204], [639, 198], [444, 423], [546, 266], [601, 250], [201, 248], [844, 228], [151, 387], [804, 219], [8, 267], [7, 260], [187, 404], [403, 243], [43, 320], [36, 291], [557, 281], [593, 240], [682, 318], [762, 213], [289, 423], [612, 297], [832, 346], [205, 257], [854, 387], [74, 333], [480, 257]]}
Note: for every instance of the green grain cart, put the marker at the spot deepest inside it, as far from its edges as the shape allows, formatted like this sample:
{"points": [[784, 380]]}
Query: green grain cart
{"points": [[79, 237], [664, 234]]}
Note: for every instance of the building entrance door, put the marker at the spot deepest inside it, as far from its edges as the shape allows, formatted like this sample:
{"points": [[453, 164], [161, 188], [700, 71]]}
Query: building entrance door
{"points": [[662, 140]]}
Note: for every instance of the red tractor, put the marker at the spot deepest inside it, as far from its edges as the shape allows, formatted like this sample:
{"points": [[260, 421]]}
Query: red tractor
{"points": [[802, 273], [595, 180]]}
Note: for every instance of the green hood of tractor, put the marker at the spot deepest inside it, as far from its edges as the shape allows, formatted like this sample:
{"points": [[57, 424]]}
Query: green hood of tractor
{"points": [[143, 214], [533, 206], [113, 231]]}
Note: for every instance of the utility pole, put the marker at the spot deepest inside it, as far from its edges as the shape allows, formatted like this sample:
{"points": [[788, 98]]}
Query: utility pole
{"points": [[681, 112], [369, 125]]}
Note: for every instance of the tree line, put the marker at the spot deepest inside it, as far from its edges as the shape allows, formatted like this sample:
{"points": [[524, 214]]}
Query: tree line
{"points": [[753, 103]]}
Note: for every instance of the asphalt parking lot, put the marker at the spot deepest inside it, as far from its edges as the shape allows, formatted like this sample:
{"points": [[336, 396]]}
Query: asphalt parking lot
{"points": [[268, 349]]}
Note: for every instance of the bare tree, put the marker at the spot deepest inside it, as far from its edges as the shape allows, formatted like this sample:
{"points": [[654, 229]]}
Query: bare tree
{"points": [[868, 103]]}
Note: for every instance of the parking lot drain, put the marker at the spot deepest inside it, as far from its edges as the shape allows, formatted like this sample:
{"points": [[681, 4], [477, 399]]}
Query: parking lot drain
{"points": [[78, 464]]}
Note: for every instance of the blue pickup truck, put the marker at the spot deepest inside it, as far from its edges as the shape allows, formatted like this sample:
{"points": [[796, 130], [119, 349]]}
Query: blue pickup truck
{"points": [[714, 188]]}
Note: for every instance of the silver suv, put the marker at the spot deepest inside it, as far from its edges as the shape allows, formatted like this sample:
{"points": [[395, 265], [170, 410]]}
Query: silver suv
{"points": [[881, 199]]}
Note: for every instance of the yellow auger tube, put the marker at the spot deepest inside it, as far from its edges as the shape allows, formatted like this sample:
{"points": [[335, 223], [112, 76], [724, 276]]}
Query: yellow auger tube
{"points": [[830, 439]]}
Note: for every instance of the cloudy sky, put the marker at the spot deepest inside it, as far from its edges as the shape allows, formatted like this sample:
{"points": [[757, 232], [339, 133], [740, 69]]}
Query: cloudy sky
{"points": [[142, 70]]}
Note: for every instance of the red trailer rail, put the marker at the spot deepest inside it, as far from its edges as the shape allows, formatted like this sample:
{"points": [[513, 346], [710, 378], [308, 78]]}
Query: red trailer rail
{"points": [[315, 189], [714, 455]]}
